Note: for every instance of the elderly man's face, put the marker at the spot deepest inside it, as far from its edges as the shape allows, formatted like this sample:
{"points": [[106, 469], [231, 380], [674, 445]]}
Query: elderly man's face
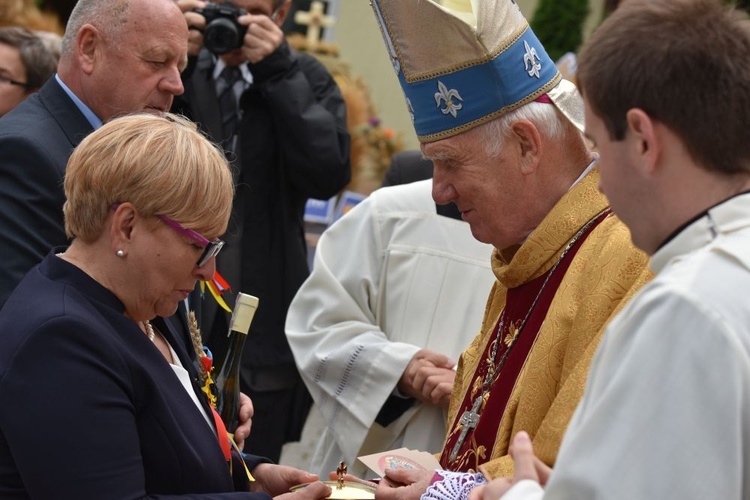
{"points": [[487, 190], [141, 70]]}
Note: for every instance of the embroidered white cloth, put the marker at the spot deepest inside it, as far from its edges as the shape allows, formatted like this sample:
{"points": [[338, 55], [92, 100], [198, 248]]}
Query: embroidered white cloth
{"points": [[453, 486]]}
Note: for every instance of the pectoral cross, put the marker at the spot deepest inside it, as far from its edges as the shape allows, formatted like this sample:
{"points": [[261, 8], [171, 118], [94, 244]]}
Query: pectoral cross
{"points": [[469, 421]]}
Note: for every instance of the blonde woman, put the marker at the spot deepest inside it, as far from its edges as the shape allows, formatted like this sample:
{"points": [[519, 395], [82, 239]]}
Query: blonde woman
{"points": [[95, 400]]}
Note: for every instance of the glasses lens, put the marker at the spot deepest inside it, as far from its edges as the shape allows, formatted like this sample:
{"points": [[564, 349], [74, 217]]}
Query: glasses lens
{"points": [[212, 250]]}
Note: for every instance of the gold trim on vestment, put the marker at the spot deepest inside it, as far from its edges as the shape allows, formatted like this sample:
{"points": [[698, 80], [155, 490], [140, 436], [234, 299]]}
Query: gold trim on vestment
{"points": [[605, 271]]}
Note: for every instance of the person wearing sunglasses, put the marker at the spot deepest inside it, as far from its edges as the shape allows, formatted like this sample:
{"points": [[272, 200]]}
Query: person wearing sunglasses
{"points": [[25, 64], [91, 382]]}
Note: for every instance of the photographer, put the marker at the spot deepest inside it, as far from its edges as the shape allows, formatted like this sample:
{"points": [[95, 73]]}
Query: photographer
{"points": [[282, 121]]}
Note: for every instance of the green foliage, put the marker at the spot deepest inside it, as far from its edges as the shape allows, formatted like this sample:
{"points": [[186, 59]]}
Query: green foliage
{"points": [[559, 25]]}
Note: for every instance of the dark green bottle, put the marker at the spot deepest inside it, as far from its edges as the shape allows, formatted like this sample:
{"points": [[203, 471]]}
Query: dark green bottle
{"points": [[228, 374]]}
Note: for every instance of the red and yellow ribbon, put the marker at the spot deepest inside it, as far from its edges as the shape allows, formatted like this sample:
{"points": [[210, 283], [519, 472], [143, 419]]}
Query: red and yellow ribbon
{"points": [[217, 286]]}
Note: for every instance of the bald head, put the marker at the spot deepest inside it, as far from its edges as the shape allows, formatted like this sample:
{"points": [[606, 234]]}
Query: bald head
{"points": [[125, 56]]}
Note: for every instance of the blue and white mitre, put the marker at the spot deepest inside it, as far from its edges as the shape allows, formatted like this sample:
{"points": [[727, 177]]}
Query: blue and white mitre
{"points": [[467, 62]]}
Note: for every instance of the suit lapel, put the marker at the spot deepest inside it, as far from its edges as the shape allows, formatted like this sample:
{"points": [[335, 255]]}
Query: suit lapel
{"points": [[65, 112]]}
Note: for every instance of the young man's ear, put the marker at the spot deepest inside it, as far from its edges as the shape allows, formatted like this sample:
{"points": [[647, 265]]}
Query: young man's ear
{"points": [[643, 137]]}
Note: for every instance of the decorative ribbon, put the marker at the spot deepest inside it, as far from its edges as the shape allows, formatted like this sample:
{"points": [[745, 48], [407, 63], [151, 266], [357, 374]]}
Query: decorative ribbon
{"points": [[239, 452], [221, 430], [226, 445], [208, 388], [217, 285]]}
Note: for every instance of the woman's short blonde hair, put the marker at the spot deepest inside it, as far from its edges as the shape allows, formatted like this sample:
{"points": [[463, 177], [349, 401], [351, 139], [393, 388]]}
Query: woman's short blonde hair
{"points": [[161, 164]]}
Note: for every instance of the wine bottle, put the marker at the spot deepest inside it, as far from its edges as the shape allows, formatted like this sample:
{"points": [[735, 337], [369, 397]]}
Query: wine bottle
{"points": [[228, 376]]}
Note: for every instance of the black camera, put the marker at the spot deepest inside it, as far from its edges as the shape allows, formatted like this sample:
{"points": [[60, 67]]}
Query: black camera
{"points": [[222, 32]]}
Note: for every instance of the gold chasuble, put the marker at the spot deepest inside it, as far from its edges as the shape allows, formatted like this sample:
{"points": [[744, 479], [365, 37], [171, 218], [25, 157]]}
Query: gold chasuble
{"points": [[527, 368]]}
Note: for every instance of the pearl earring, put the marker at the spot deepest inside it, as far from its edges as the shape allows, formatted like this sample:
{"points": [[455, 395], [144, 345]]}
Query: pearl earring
{"points": [[120, 253]]}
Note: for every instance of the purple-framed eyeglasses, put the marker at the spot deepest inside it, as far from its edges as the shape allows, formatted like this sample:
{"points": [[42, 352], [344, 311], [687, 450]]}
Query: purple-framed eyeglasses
{"points": [[211, 248]]}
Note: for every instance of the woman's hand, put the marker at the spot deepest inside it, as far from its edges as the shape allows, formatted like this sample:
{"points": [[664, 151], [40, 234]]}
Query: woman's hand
{"points": [[276, 480], [404, 484], [245, 416], [315, 491]]}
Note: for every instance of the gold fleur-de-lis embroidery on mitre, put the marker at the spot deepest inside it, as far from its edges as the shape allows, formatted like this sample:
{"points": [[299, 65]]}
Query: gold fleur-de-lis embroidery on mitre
{"points": [[449, 97], [531, 60]]}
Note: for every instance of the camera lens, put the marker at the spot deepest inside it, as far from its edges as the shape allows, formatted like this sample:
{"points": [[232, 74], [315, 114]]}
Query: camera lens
{"points": [[221, 36]]}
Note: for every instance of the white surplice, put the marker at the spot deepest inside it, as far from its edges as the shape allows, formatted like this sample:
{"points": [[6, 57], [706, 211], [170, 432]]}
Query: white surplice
{"points": [[666, 412], [389, 278]]}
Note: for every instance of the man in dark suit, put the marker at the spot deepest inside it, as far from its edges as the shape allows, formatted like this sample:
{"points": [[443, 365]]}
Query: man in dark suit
{"points": [[118, 57], [282, 120]]}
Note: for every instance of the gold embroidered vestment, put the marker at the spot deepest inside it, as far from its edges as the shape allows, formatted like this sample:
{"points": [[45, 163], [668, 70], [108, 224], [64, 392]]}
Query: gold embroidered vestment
{"points": [[604, 273]]}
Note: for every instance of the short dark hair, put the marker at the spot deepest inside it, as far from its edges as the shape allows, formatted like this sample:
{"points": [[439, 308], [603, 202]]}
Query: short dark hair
{"points": [[37, 59], [686, 63]]}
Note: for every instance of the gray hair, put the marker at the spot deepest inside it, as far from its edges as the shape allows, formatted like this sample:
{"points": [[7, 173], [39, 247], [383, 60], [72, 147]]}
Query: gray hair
{"points": [[546, 118], [110, 16]]}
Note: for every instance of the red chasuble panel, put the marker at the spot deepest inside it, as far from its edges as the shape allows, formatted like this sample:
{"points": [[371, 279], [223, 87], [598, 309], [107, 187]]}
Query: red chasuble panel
{"points": [[482, 424]]}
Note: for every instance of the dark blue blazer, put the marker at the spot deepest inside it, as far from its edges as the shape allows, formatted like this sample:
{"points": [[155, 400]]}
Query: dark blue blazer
{"points": [[36, 140], [88, 406]]}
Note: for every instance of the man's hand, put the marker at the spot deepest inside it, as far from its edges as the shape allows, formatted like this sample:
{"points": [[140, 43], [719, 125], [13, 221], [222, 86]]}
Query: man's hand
{"points": [[196, 23], [263, 37], [245, 417], [276, 480], [428, 377], [527, 466], [403, 484]]}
